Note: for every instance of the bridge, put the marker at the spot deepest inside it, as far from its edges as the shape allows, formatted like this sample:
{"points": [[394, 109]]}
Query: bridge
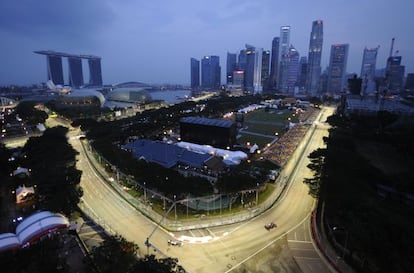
{"points": [[7, 103]]}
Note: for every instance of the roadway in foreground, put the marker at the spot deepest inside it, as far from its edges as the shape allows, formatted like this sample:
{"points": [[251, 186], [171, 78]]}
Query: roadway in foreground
{"points": [[243, 247]]}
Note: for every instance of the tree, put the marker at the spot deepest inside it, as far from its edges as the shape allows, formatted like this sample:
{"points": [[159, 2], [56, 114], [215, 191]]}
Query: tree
{"points": [[52, 161], [317, 159], [27, 111], [115, 254]]}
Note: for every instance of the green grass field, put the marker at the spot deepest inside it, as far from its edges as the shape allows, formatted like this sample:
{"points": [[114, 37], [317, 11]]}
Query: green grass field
{"points": [[267, 123]]}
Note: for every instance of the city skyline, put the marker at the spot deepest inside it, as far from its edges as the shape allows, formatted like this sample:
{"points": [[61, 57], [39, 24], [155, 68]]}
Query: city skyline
{"points": [[153, 42]]}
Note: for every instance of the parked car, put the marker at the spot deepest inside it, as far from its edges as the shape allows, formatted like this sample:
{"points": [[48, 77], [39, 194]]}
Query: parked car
{"points": [[270, 226], [175, 243]]}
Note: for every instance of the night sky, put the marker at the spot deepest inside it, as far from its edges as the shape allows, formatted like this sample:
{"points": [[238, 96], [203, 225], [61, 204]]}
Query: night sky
{"points": [[153, 41]]}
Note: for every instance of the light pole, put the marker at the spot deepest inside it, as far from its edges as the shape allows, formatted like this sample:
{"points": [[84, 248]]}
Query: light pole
{"points": [[346, 239], [257, 195], [175, 207], [145, 194]]}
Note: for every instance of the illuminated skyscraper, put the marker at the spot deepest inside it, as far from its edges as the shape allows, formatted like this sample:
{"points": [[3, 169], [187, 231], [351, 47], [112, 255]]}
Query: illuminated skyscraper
{"points": [[274, 65], [314, 58], [369, 61], [210, 72], [75, 72], [195, 73], [337, 68]]}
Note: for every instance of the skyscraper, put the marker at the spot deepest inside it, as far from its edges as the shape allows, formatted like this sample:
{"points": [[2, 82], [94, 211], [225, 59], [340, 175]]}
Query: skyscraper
{"points": [[284, 40], [265, 69], [54, 69], [394, 74], [195, 73], [303, 72], [289, 70], [75, 71], [230, 66], [337, 68], [253, 70], [369, 60], [274, 66], [210, 72], [314, 57], [95, 73]]}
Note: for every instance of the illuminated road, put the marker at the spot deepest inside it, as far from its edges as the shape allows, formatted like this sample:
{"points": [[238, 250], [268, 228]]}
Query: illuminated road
{"points": [[236, 245]]}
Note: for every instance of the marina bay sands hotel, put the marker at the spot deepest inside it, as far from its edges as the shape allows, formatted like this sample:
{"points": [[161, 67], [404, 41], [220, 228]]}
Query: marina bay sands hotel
{"points": [[55, 69]]}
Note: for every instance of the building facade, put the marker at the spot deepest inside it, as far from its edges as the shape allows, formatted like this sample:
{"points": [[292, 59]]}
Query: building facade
{"points": [[195, 73], [394, 74], [55, 69], [274, 64], [265, 69], [289, 70], [210, 72], [231, 65], [369, 60], [95, 72], [75, 72], [337, 68], [214, 132], [253, 69], [314, 58]]}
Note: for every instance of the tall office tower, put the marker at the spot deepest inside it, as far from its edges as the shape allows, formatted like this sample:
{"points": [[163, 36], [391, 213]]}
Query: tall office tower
{"points": [[265, 69], [314, 57], [303, 72], [230, 66], [242, 63], [253, 71], [75, 71], [394, 74], [284, 40], [289, 68], [369, 60], [54, 69], [210, 72], [95, 73], [274, 66], [195, 73], [337, 68]]}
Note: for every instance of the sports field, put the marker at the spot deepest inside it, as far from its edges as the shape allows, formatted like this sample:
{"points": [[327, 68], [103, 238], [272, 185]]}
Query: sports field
{"points": [[263, 126]]}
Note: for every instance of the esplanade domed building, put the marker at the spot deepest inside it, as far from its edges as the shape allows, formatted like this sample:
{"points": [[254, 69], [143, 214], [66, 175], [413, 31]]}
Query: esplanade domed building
{"points": [[128, 93]]}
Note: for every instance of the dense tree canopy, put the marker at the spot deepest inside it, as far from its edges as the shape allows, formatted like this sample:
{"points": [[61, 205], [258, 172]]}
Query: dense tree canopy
{"points": [[27, 111], [52, 162]]}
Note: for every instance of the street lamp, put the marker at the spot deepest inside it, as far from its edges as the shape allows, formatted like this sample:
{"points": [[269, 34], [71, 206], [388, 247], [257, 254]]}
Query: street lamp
{"points": [[345, 247], [257, 194], [145, 193], [175, 207]]}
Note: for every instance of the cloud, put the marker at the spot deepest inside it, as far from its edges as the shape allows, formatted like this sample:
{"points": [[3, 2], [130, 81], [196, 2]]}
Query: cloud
{"points": [[55, 19]]}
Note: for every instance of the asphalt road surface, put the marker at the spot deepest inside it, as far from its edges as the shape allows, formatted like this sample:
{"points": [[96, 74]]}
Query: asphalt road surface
{"points": [[244, 247]]}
